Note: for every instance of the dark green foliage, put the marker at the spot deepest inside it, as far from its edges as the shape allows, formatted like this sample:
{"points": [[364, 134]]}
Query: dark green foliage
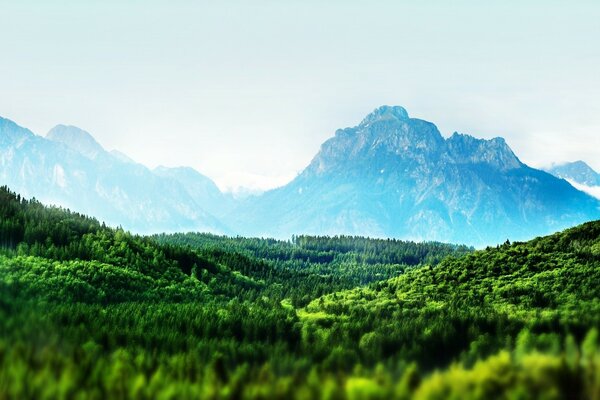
{"points": [[308, 267], [88, 311]]}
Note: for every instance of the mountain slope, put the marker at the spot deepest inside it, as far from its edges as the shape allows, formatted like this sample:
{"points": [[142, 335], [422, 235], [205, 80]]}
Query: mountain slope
{"points": [[471, 304], [577, 171], [76, 139], [69, 168], [580, 175], [200, 188], [396, 176]]}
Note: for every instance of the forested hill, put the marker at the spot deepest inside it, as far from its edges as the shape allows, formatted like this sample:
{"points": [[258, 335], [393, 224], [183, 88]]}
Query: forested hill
{"points": [[69, 257], [325, 249], [302, 270], [318, 265], [540, 297], [88, 311]]}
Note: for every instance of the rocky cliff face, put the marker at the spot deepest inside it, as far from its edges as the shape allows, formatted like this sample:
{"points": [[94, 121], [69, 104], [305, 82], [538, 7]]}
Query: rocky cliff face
{"points": [[396, 176]]}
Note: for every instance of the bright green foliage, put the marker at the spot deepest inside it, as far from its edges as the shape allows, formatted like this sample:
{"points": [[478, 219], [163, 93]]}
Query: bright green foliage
{"points": [[476, 304], [92, 312]]}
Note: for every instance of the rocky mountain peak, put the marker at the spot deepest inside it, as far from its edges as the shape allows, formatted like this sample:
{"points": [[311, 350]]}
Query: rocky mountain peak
{"points": [[385, 134], [387, 138], [577, 171], [76, 139], [11, 133], [466, 149], [384, 113]]}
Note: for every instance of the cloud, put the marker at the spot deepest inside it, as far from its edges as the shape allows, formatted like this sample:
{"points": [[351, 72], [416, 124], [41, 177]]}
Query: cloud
{"points": [[591, 190]]}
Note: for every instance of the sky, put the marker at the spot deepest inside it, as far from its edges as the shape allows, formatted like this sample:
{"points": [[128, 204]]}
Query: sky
{"points": [[246, 92]]}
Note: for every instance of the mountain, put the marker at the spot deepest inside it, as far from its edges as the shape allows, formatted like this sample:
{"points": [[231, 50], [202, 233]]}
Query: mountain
{"points": [[200, 188], [396, 176], [578, 172], [389, 176], [71, 169], [580, 175], [12, 134], [76, 139]]}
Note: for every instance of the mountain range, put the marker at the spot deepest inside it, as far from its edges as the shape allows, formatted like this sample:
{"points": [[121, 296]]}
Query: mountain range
{"points": [[396, 176], [69, 168], [389, 176]]}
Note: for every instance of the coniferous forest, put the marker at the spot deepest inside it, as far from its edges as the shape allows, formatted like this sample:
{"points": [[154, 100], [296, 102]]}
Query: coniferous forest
{"points": [[89, 311]]}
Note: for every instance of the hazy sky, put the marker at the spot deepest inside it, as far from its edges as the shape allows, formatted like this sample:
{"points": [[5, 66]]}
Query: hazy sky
{"points": [[247, 91]]}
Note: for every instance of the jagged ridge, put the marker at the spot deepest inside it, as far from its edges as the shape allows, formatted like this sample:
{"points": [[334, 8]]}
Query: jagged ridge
{"points": [[396, 176]]}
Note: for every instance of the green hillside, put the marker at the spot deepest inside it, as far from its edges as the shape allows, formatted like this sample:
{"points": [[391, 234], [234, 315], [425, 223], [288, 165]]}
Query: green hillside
{"points": [[88, 311]]}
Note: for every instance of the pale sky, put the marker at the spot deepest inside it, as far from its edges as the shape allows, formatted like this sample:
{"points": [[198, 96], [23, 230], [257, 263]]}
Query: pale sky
{"points": [[246, 91]]}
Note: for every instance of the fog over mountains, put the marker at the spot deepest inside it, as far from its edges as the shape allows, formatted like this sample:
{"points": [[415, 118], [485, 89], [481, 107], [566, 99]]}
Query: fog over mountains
{"points": [[389, 176]]}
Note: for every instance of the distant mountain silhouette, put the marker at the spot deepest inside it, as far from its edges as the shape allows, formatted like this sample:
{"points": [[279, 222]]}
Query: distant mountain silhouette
{"points": [[69, 168]]}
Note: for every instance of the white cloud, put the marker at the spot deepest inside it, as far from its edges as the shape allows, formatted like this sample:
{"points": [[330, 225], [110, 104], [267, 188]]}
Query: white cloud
{"points": [[591, 190], [242, 183]]}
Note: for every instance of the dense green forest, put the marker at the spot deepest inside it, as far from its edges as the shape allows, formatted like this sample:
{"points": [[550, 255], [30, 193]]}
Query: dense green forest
{"points": [[88, 311]]}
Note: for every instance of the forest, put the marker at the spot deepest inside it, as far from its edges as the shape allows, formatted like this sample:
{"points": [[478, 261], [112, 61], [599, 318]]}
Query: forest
{"points": [[93, 312]]}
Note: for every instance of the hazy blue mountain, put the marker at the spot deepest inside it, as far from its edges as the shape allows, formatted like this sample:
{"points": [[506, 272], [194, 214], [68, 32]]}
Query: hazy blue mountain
{"points": [[13, 134], [389, 176], [77, 140], [121, 157], [577, 171], [69, 168], [202, 189], [396, 176]]}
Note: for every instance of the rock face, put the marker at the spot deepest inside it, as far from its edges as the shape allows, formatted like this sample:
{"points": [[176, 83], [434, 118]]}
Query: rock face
{"points": [[396, 176], [578, 172], [69, 168]]}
